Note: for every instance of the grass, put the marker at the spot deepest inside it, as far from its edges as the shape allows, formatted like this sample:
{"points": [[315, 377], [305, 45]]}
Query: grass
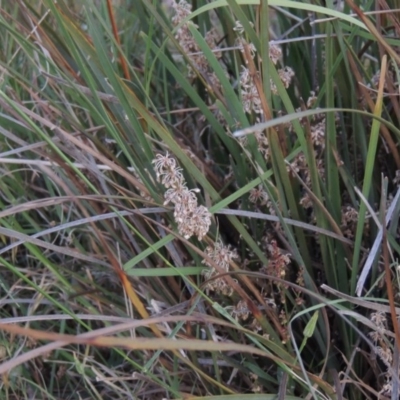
{"points": [[199, 201]]}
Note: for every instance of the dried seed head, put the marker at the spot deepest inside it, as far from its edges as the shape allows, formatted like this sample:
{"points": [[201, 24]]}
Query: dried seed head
{"points": [[191, 218], [275, 52], [222, 256]]}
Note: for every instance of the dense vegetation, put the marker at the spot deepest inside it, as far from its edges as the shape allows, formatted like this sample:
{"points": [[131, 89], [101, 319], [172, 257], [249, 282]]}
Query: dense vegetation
{"points": [[199, 200]]}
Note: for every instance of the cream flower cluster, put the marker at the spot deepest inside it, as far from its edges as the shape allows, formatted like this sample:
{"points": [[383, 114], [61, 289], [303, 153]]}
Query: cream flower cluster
{"points": [[191, 218]]}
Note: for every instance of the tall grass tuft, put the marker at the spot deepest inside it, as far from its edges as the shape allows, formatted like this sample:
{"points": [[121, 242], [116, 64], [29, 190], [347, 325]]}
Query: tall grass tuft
{"points": [[199, 200]]}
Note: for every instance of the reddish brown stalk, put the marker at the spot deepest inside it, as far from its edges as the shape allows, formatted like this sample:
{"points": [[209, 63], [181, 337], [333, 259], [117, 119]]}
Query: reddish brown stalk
{"points": [[384, 131], [44, 40], [389, 286], [382, 20], [391, 16], [122, 60], [372, 29]]}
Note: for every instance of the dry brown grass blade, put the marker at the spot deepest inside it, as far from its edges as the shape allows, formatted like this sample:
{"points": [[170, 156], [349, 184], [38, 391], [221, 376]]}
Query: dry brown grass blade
{"points": [[348, 377], [122, 60], [39, 34], [388, 275], [386, 21], [360, 302], [58, 249], [134, 297], [236, 287], [112, 259], [69, 138], [393, 17], [125, 326], [326, 213], [44, 203], [97, 339], [365, 94], [381, 40], [137, 303]]}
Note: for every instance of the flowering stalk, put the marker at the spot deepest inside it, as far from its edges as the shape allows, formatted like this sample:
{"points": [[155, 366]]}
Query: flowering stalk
{"points": [[191, 218]]}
